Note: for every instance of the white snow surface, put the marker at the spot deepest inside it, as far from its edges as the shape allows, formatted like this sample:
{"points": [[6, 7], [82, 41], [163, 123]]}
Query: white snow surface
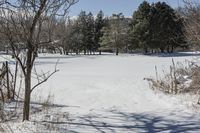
{"points": [[108, 94]]}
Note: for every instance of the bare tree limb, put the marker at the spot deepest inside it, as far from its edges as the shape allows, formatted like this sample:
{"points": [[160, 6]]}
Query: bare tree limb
{"points": [[44, 80]]}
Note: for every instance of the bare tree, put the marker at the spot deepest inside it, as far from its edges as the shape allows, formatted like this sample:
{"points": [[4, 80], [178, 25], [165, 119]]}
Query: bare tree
{"points": [[191, 12], [115, 34], [59, 35], [21, 24]]}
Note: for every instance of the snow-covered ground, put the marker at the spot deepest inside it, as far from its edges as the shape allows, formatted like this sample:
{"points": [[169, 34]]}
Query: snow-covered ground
{"points": [[108, 94]]}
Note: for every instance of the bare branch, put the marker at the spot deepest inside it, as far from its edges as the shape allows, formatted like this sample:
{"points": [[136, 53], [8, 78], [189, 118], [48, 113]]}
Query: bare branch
{"points": [[44, 80]]}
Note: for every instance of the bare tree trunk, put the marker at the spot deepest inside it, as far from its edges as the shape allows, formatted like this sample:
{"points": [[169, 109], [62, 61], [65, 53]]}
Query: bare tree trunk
{"points": [[27, 97], [172, 49], [60, 51], [117, 51], [15, 79], [7, 81], [66, 52], [84, 51], [145, 50], [162, 50], [168, 51]]}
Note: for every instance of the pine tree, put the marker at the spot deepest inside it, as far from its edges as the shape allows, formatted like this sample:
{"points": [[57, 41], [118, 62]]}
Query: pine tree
{"points": [[100, 22], [85, 23], [167, 27], [82, 24], [156, 27], [76, 37], [140, 26], [90, 33]]}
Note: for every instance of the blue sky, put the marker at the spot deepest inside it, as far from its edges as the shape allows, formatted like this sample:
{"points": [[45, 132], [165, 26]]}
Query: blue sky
{"points": [[113, 6]]}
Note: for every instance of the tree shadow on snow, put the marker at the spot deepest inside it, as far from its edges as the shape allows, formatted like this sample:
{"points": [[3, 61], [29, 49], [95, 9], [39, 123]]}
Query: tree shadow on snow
{"points": [[87, 56], [37, 63], [176, 54], [123, 122], [67, 56]]}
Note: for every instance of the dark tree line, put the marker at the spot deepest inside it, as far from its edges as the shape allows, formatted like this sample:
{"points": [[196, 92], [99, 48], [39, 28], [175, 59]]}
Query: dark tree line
{"points": [[156, 27], [82, 34], [153, 28]]}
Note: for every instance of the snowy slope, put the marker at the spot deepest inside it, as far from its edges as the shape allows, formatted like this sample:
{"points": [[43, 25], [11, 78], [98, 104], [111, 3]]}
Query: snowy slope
{"points": [[108, 94]]}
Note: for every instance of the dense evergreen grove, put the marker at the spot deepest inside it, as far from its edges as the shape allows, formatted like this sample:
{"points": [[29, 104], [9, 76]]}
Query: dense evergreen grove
{"points": [[153, 28], [156, 27]]}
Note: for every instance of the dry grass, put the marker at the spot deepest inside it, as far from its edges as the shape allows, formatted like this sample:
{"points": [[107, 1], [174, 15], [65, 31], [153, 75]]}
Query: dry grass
{"points": [[181, 78]]}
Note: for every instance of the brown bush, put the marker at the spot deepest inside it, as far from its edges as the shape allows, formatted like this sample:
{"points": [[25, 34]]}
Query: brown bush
{"points": [[182, 78]]}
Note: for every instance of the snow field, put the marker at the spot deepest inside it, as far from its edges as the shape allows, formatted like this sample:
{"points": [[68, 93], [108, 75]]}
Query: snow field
{"points": [[108, 94]]}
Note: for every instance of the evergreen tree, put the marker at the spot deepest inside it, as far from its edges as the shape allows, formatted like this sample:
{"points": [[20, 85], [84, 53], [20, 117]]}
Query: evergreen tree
{"points": [[82, 30], [156, 26], [140, 27], [167, 27], [90, 33], [76, 37], [98, 26], [85, 23]]}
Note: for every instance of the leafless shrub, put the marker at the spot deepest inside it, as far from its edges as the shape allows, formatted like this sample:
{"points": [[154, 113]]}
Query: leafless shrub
{"points": [[180, 79], [46, 104], [195, 84], [191, 13]]}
